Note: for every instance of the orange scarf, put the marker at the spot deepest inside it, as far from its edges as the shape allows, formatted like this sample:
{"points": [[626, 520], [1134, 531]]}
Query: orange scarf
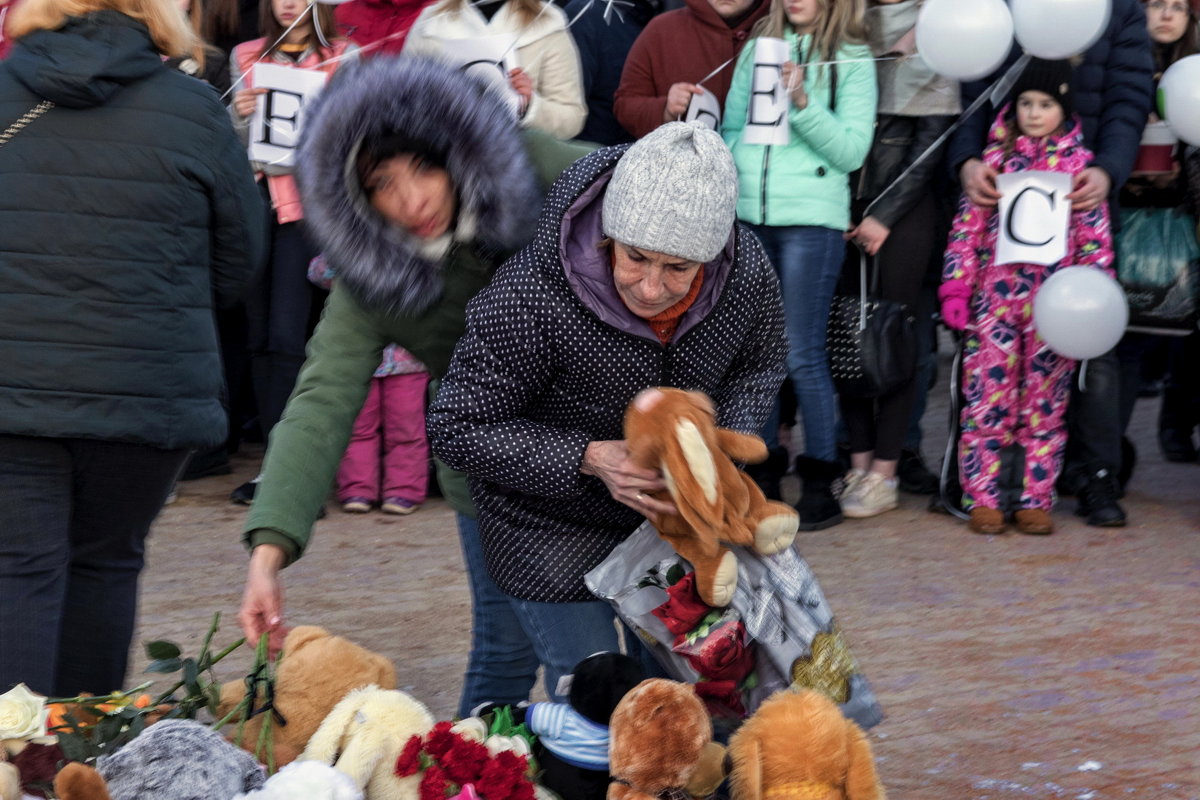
{"points": [[665, 323]]}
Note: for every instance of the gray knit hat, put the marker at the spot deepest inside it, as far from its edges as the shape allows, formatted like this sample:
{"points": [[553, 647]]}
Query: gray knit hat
{"points": [[675, 192]]}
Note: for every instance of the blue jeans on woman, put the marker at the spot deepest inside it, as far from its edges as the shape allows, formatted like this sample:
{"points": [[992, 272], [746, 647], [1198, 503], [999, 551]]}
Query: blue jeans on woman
{"points": [[808, 261], [510, 637]]}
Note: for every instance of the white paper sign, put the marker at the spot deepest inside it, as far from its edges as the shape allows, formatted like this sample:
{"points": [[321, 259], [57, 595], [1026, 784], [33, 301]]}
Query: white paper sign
{"points": [[705, 109], [1035, 217], [278, 116], [488, 58], [766, 113]]}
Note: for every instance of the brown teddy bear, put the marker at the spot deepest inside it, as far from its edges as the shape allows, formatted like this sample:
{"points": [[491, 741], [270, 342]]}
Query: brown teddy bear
{"points": [[676, 432], [798, 745], [660, 744], [316, 671]]}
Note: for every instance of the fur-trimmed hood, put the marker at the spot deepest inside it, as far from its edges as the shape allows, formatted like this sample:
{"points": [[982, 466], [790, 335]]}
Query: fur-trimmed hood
{"points": [[383, 266]]}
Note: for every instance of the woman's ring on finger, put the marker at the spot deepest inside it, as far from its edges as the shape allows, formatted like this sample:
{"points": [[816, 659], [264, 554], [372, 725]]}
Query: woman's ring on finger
{"points": [[641, 498]]}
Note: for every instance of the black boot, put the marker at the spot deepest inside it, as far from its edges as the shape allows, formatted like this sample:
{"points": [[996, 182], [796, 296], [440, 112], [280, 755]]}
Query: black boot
{"points": [[818, 508], [914, 476], [769, 473], [1177, 445], [1098, 500]]}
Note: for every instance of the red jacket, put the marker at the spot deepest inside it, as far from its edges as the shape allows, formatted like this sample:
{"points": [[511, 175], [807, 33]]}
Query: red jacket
{"points": [[365, 22], [681, 46]]}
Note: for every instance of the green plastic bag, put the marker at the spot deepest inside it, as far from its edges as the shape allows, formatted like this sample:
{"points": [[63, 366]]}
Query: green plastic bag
{"points": [[1158, 265]]}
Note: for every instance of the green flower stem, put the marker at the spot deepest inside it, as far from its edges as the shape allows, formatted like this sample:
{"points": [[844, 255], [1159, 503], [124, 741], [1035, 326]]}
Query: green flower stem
{"points": [[112, 697], [165, 696]]}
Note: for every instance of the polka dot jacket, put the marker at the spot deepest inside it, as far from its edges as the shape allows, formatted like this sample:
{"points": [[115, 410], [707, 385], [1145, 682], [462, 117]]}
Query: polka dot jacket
{"points": [[542, 371]]}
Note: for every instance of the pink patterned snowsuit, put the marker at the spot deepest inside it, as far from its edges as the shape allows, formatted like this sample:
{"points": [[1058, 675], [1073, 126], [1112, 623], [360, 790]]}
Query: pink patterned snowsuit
{"points": [[1015, 388]]}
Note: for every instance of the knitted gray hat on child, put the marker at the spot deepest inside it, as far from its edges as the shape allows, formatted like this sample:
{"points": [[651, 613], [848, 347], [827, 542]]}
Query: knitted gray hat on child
{"points": [[674, 191], [179, 759]]}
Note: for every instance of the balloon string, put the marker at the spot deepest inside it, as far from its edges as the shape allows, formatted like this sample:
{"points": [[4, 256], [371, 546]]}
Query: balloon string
{"points": [[1083, 375], [1003, 83]]}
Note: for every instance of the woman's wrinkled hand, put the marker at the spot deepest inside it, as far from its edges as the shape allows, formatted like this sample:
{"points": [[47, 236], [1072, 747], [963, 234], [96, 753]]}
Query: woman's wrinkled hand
{"points": [[262, 598], [627, 482]]}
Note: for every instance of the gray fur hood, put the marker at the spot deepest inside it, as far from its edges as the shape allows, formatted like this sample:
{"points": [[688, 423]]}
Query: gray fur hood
{"points": [[380, 264]]}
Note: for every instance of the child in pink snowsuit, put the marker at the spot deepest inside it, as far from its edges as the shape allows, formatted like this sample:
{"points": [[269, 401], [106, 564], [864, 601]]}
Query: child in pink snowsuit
{"points": [[1016, 388], [387, 460]]}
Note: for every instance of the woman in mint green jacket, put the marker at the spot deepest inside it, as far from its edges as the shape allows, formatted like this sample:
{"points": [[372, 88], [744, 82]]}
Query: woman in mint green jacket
{"points": [[796, 198]]}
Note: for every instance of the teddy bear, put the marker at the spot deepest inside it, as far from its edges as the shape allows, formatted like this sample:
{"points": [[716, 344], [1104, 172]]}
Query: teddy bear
{"points": [[176, 759], [675, 431], [10, 779], [798, 744], [316, 671], [363, 736], [573, 737], [659, 735]]}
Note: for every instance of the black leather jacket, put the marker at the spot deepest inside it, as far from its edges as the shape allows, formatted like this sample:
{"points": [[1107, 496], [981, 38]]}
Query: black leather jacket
{"points": [[898, 141]]}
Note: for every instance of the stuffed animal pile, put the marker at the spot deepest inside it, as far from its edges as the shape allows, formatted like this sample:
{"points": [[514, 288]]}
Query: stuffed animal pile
{"points": [[676, 432]]}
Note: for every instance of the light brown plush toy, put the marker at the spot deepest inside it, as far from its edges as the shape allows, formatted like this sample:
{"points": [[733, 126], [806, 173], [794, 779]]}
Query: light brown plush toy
{"points": [[676, 432], [78, 781], [317, 670], [798, 745], [658, 736]]}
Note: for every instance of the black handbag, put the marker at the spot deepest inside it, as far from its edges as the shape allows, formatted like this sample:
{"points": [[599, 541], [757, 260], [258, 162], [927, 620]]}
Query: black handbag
{"points": [[871, 343]]}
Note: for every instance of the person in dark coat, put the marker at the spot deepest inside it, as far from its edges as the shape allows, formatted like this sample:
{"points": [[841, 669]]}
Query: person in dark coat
{"points": [[126, 202], [604, 34], [638, 277], [1113, 88]]}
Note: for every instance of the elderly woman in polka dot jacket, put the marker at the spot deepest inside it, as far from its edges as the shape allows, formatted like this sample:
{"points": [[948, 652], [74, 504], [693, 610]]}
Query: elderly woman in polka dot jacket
{"points": [[638, 276]]}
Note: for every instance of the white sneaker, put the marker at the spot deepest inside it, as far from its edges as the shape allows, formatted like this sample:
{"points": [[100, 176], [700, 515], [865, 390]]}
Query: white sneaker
{"points": [[849, 481], [873, 494]]}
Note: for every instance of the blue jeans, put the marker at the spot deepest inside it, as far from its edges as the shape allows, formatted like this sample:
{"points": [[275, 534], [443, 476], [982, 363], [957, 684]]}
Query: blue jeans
{"points": [[510, 637], [502, 665], [808, 260]]}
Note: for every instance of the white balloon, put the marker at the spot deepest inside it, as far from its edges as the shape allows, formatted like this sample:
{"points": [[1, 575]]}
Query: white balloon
{"points": [[964, 39], [1180, 87], [1056, 29], [1080, 312]]}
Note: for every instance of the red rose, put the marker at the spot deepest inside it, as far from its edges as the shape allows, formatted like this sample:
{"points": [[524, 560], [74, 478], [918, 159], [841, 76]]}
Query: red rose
{"points": [[409, 762], [464, 761], [434, 784], [724, 654], [502, 777], [722, 698], [439, 740], [684, 609]]}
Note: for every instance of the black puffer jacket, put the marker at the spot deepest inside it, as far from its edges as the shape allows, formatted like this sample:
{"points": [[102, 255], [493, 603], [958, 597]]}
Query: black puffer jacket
{"points": [[549, 362], [123, 209]]}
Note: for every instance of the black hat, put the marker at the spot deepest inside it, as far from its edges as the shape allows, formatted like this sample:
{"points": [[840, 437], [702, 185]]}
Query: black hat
{"points": [[1051, 77]]}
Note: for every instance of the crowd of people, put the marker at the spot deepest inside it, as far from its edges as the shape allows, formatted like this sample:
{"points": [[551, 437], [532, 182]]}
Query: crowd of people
{"points": [[493, 275]]}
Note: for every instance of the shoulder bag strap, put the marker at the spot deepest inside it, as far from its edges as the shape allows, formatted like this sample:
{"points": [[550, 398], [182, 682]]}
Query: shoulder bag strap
{"points": [[26, 118]]}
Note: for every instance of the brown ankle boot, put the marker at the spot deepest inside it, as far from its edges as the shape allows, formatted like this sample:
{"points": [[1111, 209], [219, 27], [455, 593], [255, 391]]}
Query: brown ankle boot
{"points": [[1035, 521], [986, 520]]}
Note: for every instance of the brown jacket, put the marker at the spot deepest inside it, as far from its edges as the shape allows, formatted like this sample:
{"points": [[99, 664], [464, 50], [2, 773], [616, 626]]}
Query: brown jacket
{"points": [[681, 46]]}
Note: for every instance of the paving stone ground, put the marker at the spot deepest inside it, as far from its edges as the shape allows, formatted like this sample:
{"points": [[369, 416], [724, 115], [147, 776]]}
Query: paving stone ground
{"points": [[1011, 666]]}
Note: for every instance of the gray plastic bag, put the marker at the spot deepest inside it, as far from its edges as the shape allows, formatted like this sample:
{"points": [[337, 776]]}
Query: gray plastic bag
{"points": [[777, 598]]}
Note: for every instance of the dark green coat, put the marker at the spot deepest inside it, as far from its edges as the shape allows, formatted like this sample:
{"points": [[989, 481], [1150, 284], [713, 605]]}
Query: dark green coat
{"points": [[123, 210]]}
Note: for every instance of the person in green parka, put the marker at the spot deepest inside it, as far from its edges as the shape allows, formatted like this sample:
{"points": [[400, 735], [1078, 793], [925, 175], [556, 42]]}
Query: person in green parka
{"points": [[417, 183]]}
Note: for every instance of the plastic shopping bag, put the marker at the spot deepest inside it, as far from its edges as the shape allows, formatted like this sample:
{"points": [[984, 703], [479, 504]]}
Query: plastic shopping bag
{"points": [[777, 632]]}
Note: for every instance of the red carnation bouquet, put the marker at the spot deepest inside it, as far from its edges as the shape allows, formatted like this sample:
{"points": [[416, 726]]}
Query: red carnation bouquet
{"points": [[453, 765]]}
